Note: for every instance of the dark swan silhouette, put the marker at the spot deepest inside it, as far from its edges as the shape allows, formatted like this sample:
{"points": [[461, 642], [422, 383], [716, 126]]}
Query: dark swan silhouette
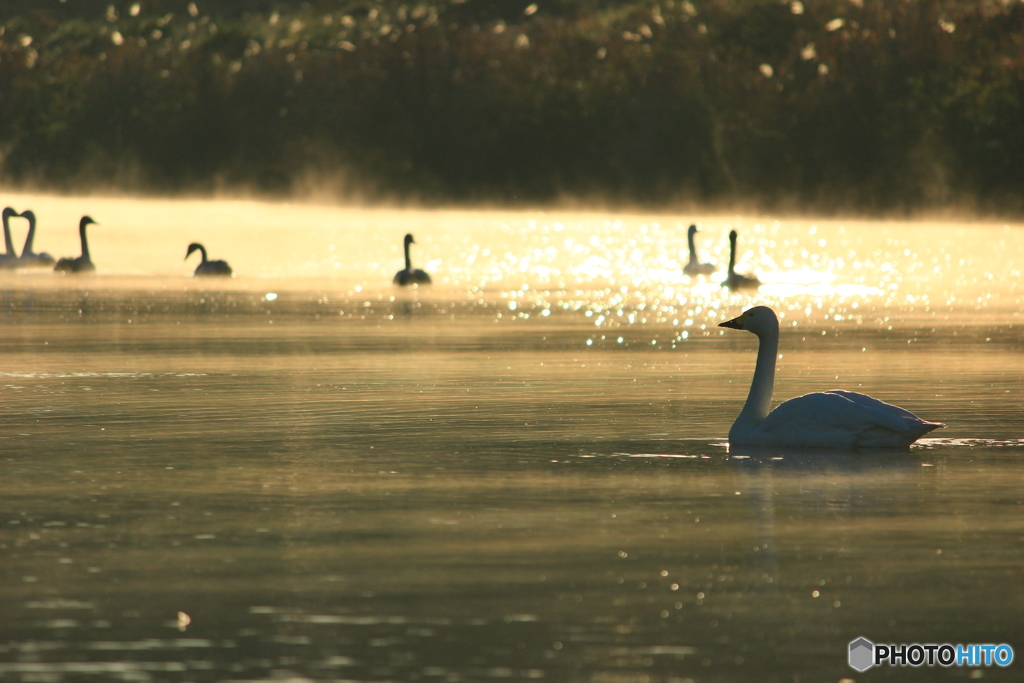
{"points": [[734, 280], [207, 267], [10, 258], [81, 264], [28, 258], [694, 266], [410, 275], [828, 419]]}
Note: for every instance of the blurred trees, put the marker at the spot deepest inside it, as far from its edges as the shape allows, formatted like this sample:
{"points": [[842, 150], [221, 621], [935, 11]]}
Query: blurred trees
{"points": [[838, 105]]}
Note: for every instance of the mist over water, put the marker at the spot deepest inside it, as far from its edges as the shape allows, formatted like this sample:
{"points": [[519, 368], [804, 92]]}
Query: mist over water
{"points": [[521, 472]]}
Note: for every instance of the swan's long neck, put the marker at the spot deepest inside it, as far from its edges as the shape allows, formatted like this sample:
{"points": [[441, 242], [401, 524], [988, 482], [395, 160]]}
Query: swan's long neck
{"points": [[202, 253], [693, 248], [759, 400], [732, 254], [27, 249], [7, 237], [408, 261], [85, 242]]}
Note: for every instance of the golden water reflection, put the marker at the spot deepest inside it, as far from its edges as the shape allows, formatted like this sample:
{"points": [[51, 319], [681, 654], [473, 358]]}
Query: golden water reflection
{"points": [[547, 260], [519, 473]]}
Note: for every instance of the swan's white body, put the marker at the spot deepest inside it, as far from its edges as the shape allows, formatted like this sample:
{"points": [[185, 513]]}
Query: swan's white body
{"points": [[10, 258], [694, 266], [410, 275], [28, 258], [830, 419], [207, 267], [734, 280]]}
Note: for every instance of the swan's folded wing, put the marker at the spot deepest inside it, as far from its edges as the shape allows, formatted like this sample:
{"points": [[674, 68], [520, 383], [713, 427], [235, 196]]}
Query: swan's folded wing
{"points": [[842, 412], [869, 402]]}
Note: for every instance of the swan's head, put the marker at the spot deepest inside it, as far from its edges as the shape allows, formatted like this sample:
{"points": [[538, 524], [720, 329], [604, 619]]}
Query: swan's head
{"points": [[759, 320], [192, 247], [732, 237], [409, 240], [9, 213], [86, 220], [692, 231], [29, 215]]}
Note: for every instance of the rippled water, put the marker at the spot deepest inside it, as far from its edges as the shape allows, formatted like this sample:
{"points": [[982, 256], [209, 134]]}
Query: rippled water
{"points": [[521, 472]]}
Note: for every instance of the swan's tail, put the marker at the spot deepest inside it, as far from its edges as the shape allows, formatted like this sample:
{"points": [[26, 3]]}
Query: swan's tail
{"points": [[881, 437], [925, 427]]}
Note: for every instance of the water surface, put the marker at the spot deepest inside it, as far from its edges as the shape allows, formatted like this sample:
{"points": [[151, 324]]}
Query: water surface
{"points": [[303, 473]]}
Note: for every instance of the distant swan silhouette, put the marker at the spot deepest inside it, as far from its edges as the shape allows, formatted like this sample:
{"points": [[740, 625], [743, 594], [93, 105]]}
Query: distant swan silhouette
{"points": [[410, 276], [831, 419], [29, 258], [734, 280], [206, 267], [82, 264], [9, 259], [695, 267]]}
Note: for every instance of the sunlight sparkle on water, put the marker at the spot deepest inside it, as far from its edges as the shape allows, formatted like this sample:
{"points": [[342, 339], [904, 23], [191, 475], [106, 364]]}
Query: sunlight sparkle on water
{"points": [[621, 271], [521, 471]]}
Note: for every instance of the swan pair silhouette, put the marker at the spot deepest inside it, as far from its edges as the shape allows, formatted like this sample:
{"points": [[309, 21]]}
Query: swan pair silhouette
{"points": [[830, 419], [28, 258], [733, 280]]}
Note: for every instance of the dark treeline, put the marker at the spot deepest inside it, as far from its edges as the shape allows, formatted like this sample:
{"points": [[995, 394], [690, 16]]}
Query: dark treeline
{"points": [[834, 105]]}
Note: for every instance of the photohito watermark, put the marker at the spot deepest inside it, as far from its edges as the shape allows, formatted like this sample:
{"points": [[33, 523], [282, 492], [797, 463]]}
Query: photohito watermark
{"points": [[864, 654]]}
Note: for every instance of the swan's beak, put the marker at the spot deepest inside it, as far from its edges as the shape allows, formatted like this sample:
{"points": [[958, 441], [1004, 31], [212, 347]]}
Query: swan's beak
{"points": [[735, 323]]}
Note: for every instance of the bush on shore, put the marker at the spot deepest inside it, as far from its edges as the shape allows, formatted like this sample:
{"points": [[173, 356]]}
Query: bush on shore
{"points": [[840, 105]]}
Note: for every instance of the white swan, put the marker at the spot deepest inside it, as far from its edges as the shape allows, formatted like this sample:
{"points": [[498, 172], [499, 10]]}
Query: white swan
{"points": [[81, 264], [410, 275], [695, 267], [10, 258], [28, 258], [831, 419], [734, 280], [206, 267]]}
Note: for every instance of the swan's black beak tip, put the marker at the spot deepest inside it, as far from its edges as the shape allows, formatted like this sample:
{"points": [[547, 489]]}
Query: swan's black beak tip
{"points": [[734, 324]]}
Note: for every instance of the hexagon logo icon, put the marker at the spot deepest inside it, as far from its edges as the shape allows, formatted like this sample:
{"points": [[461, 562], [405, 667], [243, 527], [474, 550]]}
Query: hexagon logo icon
{"points": [[862, 654]]}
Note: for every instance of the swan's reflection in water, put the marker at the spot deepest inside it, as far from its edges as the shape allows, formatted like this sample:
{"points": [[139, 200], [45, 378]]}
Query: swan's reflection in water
{"points": [[754, 479], [827, 478], [822, 460]]}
